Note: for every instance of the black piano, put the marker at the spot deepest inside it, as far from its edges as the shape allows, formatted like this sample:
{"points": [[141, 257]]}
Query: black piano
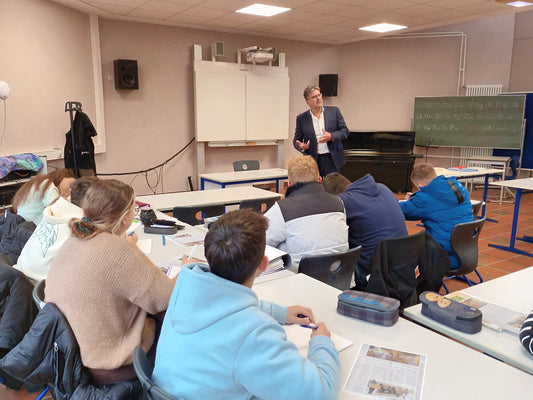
{"points": [[387, 156]]}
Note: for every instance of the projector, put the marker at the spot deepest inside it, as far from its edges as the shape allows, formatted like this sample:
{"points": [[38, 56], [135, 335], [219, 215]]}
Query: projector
{"points": [[259, 56]]}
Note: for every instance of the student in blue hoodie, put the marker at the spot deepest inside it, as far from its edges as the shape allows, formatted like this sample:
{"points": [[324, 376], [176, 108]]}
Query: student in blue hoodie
{"points": [[441, 203], [219, 341]]}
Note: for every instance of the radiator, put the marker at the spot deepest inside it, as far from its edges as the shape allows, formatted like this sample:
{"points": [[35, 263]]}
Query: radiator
{"points": [[466, 152], [483, 90]]}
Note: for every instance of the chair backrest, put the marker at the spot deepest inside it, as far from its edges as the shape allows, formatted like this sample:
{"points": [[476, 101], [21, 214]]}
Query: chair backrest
{"points": [[464, 241], [334, 269], [38, 294], [259, 205], [476, 206], [406, 266], [143, 369], [245, 165], [195, 215]]}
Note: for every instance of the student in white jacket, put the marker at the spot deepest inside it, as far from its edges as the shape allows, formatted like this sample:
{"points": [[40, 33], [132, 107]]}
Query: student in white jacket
{"points": [[41, 248]]}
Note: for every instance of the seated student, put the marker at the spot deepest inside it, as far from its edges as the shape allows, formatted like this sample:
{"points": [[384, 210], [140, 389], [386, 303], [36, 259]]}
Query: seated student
{"points": [[441, 203], [52, 231], [40, 191], [372, 212], [526, 333], [308, 221], [219, 341], [105, 286]]}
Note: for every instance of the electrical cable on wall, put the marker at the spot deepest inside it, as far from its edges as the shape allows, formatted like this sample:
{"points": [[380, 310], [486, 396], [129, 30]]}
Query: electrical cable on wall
{"points": [[144, 172], [4, 94]]}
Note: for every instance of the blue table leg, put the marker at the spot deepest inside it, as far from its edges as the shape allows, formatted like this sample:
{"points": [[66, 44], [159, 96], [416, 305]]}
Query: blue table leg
{"points": [[512, 241], [485, 195], [202, 183], [528, 239]]}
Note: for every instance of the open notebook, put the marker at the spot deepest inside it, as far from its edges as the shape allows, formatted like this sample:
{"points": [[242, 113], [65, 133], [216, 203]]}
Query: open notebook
{"points": [[301, 336]]}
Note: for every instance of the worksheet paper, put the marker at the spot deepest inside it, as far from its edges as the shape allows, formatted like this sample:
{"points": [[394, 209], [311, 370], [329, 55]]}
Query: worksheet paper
{"points": [[383, 373], [300, 336]]}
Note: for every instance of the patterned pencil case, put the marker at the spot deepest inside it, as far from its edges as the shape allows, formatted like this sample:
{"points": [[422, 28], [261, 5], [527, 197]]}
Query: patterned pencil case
{"points": [[450, 312], [369, 307]]}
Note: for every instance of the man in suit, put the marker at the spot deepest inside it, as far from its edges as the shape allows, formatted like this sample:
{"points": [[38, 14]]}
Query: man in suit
{"points": [[320, 131]]}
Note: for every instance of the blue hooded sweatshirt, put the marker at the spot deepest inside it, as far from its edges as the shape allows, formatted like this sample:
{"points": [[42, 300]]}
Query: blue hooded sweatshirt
{"points": [[438, 207], [218, 341]]}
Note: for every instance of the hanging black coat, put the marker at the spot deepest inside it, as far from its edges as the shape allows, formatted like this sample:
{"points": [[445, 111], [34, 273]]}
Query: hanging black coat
{"points": [[83, 132]]}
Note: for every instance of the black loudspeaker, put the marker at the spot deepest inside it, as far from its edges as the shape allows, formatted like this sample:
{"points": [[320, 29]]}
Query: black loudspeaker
{"points": [[126, 74], [328, 84]]}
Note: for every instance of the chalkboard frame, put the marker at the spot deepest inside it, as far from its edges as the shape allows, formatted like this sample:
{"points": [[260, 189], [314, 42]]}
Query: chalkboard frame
{"points": [[479, 121]]}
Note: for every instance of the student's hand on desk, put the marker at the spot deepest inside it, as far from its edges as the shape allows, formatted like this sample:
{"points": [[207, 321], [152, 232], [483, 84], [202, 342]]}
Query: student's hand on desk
{"points": [[132, 238], [295, 313], [303, 145], [321, 330]]}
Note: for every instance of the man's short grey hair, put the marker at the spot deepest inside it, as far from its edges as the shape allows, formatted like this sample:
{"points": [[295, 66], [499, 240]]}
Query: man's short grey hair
{"points": [[309, 89]]}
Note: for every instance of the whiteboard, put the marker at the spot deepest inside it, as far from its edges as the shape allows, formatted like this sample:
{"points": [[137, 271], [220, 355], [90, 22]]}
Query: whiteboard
{"points": [[219, 106], [240, 103], [267, 107]]}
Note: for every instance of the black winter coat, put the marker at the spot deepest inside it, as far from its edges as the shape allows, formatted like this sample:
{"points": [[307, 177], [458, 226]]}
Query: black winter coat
{"points": [[49, 355]]}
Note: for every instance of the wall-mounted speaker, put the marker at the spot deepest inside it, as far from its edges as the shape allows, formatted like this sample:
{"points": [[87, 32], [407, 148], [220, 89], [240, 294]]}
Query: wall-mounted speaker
{"points": [[126, 74], [328, 84]]}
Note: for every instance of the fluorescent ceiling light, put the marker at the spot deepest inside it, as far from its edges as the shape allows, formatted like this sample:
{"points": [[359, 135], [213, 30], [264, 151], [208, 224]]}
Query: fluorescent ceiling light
{"points": [[515, 3], [262, 10], [382, 28], [519, 4]]}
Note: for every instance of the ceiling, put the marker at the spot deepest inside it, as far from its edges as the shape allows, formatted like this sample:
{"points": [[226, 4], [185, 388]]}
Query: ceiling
{"points": [[330, 22]]}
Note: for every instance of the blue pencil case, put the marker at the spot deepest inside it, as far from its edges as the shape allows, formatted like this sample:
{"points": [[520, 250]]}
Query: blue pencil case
{"points": [[369, 307]]}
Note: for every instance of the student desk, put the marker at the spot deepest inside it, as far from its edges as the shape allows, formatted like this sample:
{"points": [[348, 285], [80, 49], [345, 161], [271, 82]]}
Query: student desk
{"points": [[479, 172], [239, 177], [167, 202], [493, 161], [453, 371], [512, 291], [521, 186], [160, 253]]}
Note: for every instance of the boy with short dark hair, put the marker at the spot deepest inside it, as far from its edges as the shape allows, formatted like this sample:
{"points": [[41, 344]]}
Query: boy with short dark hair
{"points": [[219, 341], [441, 203]]}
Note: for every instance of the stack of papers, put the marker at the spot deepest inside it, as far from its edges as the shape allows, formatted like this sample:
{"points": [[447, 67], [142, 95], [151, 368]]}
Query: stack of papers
{"points": [[275, 258]]}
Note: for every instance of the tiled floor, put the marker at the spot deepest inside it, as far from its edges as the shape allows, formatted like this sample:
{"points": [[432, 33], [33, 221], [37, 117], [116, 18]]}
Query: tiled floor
{"points": [[493, 263]]}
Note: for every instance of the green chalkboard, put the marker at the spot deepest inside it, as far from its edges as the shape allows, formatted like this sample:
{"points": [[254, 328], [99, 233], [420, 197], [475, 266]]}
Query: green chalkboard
{"points": [[481, 121]]}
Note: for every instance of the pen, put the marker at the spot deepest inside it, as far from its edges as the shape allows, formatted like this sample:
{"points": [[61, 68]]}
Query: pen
{"points": [[191, 253], [308, 326], [164, 240], [131, 233], [494, 327]]}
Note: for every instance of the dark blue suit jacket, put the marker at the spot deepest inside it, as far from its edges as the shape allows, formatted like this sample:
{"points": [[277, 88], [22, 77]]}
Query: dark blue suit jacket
{"points": [[333, 123]]}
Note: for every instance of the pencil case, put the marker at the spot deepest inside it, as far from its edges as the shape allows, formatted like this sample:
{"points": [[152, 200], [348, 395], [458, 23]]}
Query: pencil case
{"points": [[161, 229], [450, 312], [369, 307]]}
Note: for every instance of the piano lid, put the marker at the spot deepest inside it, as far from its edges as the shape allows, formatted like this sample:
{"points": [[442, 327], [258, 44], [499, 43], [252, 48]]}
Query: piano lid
{"points": [[381, 142]]}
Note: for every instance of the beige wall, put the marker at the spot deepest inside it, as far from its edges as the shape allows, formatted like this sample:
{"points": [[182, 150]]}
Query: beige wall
{"points": [[45, 57], [522, 67], [378, 81]]}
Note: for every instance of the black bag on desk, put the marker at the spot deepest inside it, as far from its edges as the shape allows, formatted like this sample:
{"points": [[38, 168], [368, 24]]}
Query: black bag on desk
{"points": [[369, 307]]}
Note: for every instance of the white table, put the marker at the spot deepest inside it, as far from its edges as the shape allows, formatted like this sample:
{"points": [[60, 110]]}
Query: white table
{"points": [[512, 291], [479, 172], [521, 185], [491, 161], [453, 371], [239, 177], [167, 202], [168, 249]]}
